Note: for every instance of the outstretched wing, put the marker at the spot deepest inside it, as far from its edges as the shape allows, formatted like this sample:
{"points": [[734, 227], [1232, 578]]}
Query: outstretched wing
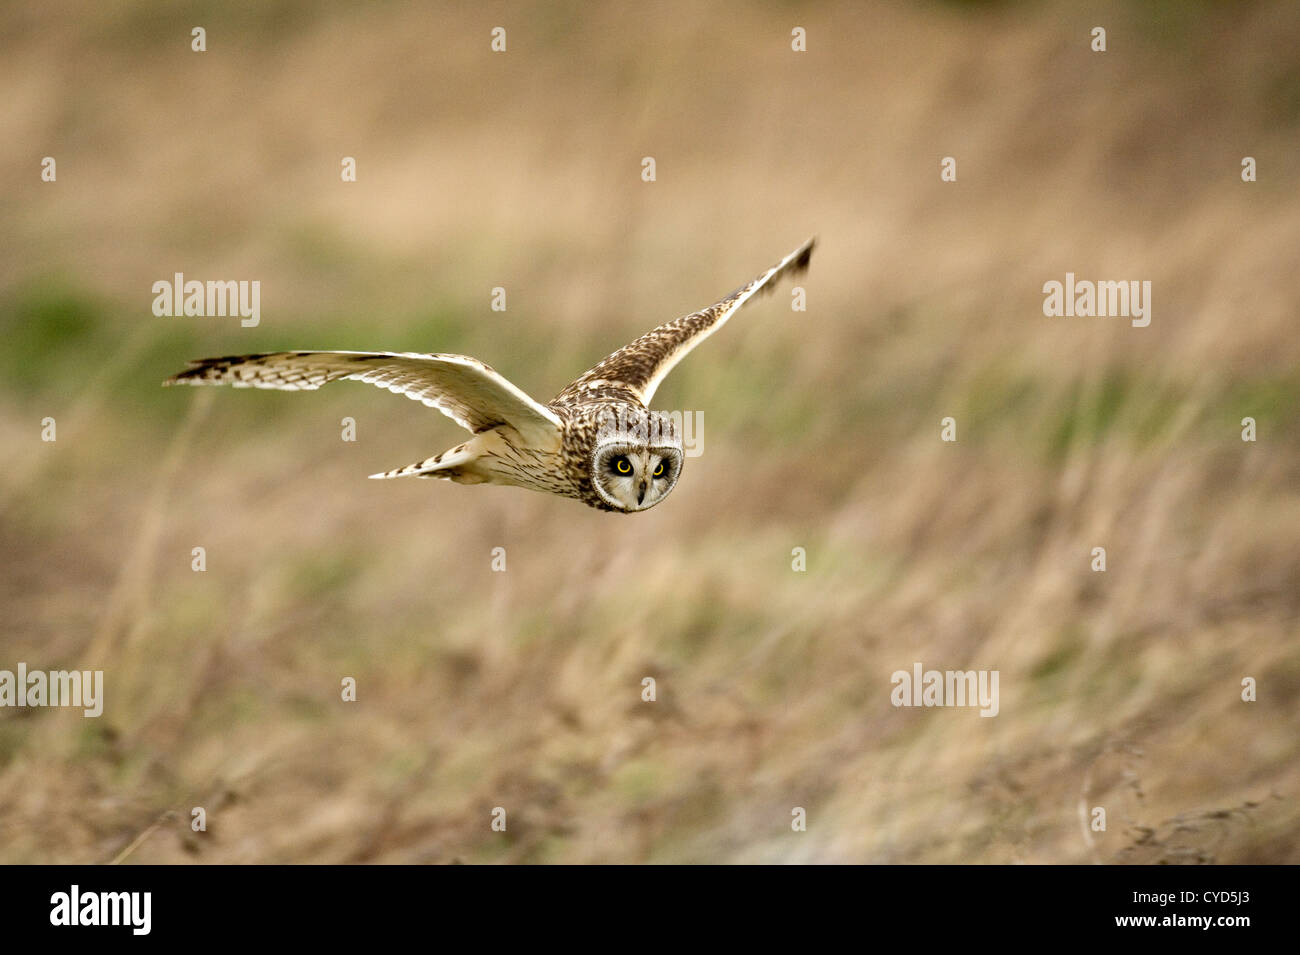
{"points": [[469, 392], [635, 371]]}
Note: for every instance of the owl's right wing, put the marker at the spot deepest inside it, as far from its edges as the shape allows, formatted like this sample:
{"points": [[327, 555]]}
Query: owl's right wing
{"points": [[469, 392]]}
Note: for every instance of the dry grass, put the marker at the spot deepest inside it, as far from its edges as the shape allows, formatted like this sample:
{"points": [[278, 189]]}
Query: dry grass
{"points": [[522, 689]]}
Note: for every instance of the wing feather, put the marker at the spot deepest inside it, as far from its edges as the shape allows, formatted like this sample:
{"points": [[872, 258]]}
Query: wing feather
{"points": [[635, 371], [469, 392]]}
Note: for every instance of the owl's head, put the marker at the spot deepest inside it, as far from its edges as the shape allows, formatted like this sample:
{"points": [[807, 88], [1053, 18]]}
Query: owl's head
{"points": [[636, 460]]}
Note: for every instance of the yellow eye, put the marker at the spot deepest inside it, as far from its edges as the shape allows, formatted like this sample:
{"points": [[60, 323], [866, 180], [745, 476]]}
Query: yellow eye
{"points": [[659, 471], [622, 466]]}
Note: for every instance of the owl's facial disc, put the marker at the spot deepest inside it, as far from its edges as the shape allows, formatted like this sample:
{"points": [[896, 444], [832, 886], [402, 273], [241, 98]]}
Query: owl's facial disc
{"points": [[631, 477], [637, 457]]}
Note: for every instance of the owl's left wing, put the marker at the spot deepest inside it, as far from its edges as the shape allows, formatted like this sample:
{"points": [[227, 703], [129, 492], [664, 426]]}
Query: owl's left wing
{"points": [[472, 394], [635, 371]]}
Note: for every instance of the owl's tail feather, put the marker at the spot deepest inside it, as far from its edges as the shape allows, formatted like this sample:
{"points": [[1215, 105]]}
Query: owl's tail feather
{"points": [[419, 467], [448, 465]]}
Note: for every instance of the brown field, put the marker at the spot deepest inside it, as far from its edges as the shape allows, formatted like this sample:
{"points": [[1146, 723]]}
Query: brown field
{"points": [[522, 689]]}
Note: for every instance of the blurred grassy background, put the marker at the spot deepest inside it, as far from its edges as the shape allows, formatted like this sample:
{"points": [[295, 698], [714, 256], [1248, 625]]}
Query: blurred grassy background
{"points": [[522, 689]]}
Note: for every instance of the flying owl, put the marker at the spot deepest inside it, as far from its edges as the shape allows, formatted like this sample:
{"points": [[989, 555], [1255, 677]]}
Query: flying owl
{"points": [[597, 441]]}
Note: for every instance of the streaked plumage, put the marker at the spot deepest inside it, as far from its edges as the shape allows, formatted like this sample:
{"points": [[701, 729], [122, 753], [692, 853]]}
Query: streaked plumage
{"points": [[575, 446]]}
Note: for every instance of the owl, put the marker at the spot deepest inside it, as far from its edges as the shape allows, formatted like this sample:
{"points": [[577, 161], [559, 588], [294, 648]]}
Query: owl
{"points": [[596, 441]]}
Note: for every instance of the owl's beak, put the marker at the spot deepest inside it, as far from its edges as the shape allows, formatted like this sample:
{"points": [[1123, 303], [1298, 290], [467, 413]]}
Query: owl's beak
{"points": [[640, 494]]}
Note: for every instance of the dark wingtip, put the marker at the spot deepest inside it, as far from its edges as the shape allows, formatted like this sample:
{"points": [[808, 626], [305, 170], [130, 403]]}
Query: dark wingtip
{"points": [[192, 366], [805, 254], [197, 369]]}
